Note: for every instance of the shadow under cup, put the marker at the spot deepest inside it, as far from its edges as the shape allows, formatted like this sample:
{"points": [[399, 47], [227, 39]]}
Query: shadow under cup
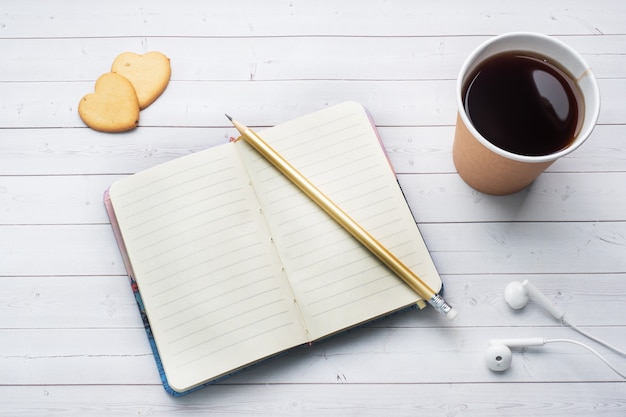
{"points": [[494, 170]]}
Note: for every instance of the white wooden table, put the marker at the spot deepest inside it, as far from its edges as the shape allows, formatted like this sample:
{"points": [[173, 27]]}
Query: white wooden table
{"points": [[71, 340]]}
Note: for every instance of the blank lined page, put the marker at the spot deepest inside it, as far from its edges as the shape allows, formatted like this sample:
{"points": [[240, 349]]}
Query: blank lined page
{"points": [[205, 265], [338, 282]]}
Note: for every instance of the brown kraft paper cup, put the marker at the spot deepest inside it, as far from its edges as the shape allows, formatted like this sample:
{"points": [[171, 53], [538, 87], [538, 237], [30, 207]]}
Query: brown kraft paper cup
{"points": [[492, 170]]}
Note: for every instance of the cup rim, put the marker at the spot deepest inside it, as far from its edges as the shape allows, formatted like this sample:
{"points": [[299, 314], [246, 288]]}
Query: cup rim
{"points": [[592, 96]]}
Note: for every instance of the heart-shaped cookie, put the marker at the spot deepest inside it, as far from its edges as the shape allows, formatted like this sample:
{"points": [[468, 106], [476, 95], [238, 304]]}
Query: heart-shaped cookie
{"points": [[112, 107], [149, 73]]}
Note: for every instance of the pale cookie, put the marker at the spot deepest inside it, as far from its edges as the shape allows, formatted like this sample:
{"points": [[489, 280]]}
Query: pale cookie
{"points": [[112, 107], [149, 73]]}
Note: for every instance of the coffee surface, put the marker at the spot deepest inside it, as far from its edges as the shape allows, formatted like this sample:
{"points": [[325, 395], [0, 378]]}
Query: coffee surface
{"points": [[523, 104]]}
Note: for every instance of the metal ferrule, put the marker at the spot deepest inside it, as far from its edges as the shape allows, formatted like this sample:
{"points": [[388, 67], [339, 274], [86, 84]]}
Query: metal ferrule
{"points": [[440, 304]]}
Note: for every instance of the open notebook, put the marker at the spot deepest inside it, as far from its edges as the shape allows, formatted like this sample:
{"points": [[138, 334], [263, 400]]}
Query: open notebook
{"points": [[234, 264]]}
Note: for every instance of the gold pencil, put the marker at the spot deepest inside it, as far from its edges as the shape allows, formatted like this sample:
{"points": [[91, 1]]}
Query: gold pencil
{"points": [[344, 220]]}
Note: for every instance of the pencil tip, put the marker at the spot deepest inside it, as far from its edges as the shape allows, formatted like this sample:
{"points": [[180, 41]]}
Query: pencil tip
{"points": [[229, 118]]}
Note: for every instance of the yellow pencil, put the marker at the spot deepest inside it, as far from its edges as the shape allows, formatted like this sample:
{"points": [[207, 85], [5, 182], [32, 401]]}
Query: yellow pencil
{"points": [[334, 211]]}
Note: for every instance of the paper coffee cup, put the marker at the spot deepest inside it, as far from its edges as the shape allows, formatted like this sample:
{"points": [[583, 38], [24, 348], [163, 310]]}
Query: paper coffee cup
{"points": [[491, 169]]}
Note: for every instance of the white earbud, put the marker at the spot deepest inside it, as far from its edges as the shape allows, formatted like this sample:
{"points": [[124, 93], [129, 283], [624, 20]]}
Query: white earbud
{"points": [[498, 356], [518, 293]]}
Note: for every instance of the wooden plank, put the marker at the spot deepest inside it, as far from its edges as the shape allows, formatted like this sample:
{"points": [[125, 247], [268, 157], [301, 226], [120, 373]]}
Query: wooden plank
{"points": [[85, 151], [393, 355], [486, 400], [49, 250], [270, 58], [479, 298], [545, 247], [276, 58], [146, 18], [464, 248], [412, 149], [68, 302], [77, 356], [555, 197], [106, 302], [435, 198], [54, 199], [428, 149], [186, 104]]}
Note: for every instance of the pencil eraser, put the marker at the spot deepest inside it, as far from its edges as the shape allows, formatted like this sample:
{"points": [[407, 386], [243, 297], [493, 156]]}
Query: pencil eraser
{"points": [[451, 314]]}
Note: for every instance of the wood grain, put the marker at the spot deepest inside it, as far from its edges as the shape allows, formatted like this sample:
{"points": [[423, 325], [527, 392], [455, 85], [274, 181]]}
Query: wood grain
{"points": [[72, 339], [189, 104], [492, 400]]}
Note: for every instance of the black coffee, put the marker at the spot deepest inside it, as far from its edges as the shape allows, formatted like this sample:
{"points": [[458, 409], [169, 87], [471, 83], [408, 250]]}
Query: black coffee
{"points": [[523, 104]]}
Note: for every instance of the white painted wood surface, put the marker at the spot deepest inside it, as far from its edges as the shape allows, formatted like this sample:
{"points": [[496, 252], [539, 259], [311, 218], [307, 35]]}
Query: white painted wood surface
{"points": [[71, 340]]}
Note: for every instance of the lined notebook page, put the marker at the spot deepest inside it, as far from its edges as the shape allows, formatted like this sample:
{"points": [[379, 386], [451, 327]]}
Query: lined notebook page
{"points": [[337, 282], [207, 271]]}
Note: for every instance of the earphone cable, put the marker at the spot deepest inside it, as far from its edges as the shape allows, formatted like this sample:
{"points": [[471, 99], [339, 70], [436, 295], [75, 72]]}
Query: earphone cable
{"points": [[575, 342], [590, 336]]}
